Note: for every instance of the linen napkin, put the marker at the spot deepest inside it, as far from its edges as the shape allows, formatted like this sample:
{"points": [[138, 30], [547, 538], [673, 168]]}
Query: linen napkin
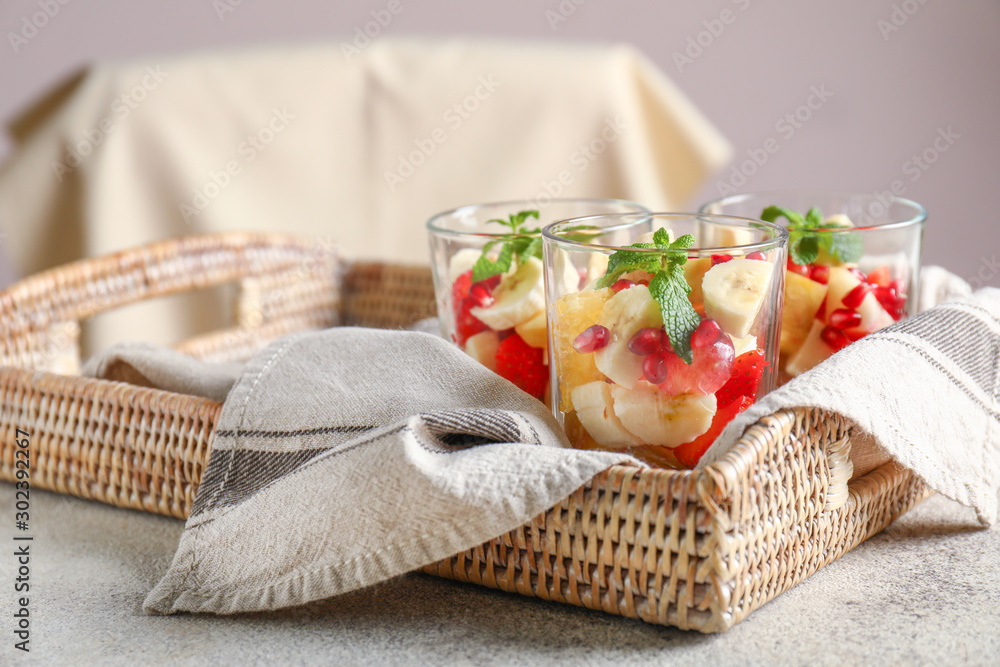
{"points": [[349, 456], [925, 392]]}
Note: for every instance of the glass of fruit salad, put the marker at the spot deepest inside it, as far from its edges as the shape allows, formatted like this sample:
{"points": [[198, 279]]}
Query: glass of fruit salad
{"points": [[489, 281], [853, 264], [671, 332]]}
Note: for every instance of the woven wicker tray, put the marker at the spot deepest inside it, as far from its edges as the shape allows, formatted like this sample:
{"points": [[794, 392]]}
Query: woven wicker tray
{"points": [[694, 549]]}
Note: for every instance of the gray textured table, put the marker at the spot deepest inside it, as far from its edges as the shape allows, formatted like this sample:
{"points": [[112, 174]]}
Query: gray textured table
{"points": [[925, 591]]}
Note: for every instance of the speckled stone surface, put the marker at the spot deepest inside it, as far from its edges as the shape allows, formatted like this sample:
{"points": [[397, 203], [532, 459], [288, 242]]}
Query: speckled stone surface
{"points": [[927, 591]]}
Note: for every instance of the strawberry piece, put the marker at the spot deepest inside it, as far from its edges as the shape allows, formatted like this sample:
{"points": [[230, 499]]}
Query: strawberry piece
{"points": [[467, 295], [523, 365], [690, 453], [466, 324], [880, 277], [744, 380]]}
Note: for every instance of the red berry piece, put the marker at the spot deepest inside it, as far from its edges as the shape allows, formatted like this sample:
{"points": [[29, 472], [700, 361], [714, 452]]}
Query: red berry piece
{"points": [[757, 255], [720, 259], [854, 298], [855, 334], [654, 368], [899, 286], [880, 277], [481, 294], [690, 452], [707, 334], [460, 288], [709, 370], [842, 318], [821, 313], [646, 341], [592, 338], [820, 274], [744, 380], [523, 365], [859, 274], [466, 324], [802, 270], [835, 338], [620, 284], [886, 297]]}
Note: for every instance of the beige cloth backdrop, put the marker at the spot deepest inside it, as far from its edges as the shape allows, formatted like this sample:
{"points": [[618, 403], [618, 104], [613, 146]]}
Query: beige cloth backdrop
{"points": [[361, 145]]}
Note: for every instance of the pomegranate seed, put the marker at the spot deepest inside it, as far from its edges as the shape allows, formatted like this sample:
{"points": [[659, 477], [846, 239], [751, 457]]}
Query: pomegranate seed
{"points": [[481, 295], [842, 318], [855, 334], [622, 283], [643, 282], [800, 269], [820, 274], [835, 338], [899, 286], [720, 259], [886, 297], [859, 274], [654, 369], [821, 313], [646, 341], [593, 338], [757, 255], [854, 298], [707, 333], [880, 277]]}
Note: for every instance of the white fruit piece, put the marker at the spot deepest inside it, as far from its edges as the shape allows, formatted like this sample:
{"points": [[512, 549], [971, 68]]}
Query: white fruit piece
{"points": [[813, 350], [565, 272], [517, 298], [462, 261], [595, 409], [483, 348], [734, 292], [746, 344], [534, 331], [837, 220], [648, 236], [839, 285], [803, 297], [660, 419], [624, 314]]}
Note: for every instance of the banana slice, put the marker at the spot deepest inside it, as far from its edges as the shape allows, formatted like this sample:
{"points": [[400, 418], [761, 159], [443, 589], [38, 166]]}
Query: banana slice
{"points": [[660, 419], [483, 348], [462, 261], [517, 298], [837, 220], [746, 344], [534, 331], [595, 410], [624, 314], [734, 292], [566, 272]]}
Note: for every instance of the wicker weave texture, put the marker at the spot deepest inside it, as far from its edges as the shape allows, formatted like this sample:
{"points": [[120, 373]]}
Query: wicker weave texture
{"points": [[695, 549]]}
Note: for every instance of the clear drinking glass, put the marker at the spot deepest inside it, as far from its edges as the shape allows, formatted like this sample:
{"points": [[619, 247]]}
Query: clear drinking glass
{"points": [[862, 277], [500, 320], [657, 348]]}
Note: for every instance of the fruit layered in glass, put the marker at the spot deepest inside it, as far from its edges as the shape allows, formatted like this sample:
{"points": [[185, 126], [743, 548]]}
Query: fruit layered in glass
{"points": [[490, 283], [853, 264], [671, 333]]}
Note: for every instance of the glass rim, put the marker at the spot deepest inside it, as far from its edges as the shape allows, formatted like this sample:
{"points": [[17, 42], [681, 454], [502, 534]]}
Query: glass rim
{"points": [[919, 216], [779, 239], [432, 227]]}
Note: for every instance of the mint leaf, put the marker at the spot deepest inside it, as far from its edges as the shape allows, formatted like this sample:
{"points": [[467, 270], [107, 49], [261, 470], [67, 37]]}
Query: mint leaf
{"points": [[814, 218], [670, 289], [486, 268], [528, 247], [847, 247], [626, 261], [772, 213], [803, 248], [661, 238]]}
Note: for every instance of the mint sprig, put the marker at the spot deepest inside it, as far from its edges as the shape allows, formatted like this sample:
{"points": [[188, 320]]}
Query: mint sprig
{"points": [[668, 285], [521, 243], [805, 238]]}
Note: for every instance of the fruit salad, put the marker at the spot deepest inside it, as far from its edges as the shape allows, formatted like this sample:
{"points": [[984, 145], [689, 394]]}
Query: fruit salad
{"points": [[660, 352], [829, 301]]}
